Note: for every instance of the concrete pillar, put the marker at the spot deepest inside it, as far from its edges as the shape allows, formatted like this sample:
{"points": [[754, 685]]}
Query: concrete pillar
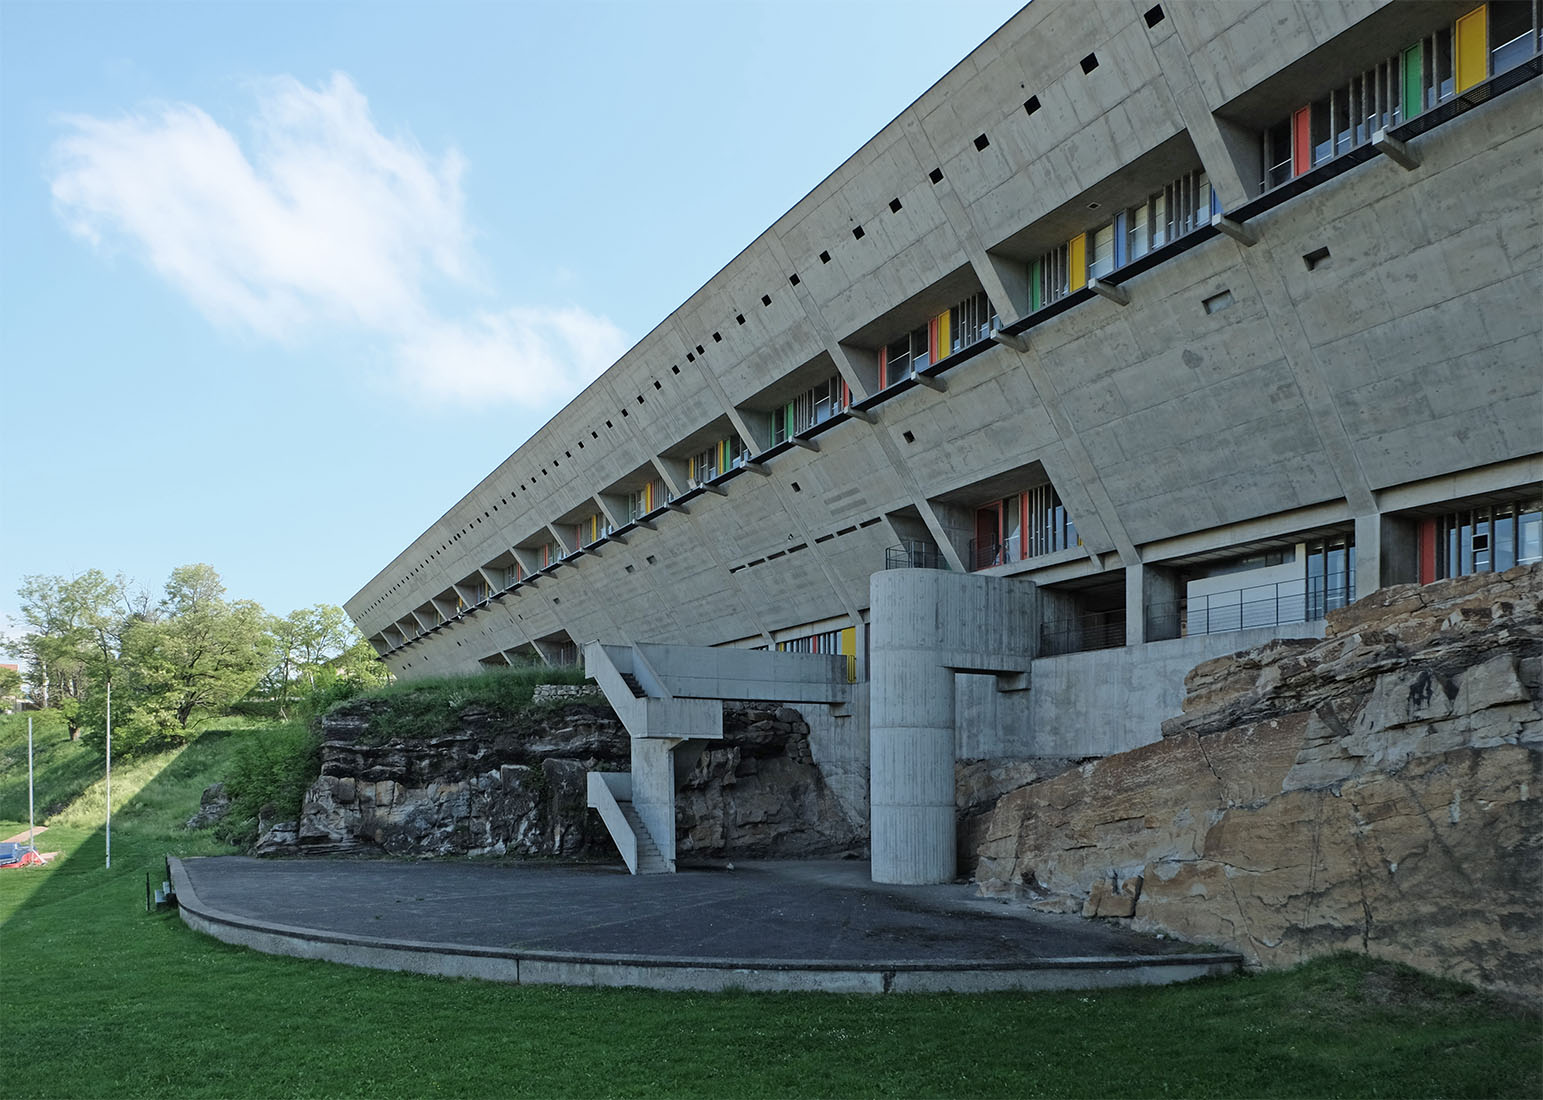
{"points": [[653, 791], [1386, 552], [1151, 604], [926, 626]]}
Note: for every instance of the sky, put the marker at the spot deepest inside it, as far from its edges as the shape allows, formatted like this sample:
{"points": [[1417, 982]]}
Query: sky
{"points": [[280, 282]]}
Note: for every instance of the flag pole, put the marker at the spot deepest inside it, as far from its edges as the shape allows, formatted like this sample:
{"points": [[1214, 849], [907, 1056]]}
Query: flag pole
{"points": [[31, 821], [109, 775]]}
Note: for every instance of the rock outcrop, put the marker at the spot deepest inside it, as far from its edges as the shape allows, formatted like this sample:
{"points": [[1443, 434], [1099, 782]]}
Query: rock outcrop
{"points": [[516, 785], [1371, 791], [759, 793]]}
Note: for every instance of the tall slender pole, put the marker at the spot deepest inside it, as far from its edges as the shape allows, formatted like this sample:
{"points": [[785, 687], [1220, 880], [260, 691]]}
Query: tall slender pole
{"points": [[109, 775], [31, 823]]}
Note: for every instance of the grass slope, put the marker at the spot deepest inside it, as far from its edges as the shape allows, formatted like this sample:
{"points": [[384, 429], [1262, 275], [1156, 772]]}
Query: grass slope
{"points": [[98, 998]]}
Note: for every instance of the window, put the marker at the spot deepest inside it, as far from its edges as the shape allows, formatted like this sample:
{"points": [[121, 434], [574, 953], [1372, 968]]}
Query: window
{"points": [[715, 461], [1330, 576], [814, 406], [1513, 33], [1487, 40], [1482, 540], [843, 642], [1181, 206], [642, 501], [955, 329], [1021, 526]]}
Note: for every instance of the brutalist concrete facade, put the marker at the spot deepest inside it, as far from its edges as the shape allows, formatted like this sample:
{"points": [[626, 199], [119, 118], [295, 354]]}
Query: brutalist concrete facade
{"points": [[1321, 362]]}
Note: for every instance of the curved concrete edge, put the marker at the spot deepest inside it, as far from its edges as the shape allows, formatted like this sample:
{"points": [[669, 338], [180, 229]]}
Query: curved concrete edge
{"points": [[677, 974]]}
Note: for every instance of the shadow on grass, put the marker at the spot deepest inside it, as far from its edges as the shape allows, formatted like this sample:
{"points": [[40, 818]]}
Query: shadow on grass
{"points": [[101, 999]]}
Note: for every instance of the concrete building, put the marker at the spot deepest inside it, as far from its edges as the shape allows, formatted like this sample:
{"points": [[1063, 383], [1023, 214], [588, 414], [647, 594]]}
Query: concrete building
{"points": [[1150, 331]]}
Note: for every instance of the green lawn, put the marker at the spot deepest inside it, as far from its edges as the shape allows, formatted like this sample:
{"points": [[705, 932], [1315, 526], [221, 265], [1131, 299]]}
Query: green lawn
{"points": [[98, 998]]}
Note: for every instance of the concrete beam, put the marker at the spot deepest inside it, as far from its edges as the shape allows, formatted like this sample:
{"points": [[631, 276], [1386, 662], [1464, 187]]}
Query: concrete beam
{"points": [[1234, 229], [1116, 294], [1020, 344], [1396, 151]]}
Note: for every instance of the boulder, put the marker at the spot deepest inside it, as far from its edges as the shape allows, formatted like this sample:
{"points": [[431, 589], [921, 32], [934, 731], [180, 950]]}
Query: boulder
{"points": [[213, 805]]}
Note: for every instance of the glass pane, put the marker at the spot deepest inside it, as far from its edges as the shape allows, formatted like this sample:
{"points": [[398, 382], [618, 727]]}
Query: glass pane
{"points": [[1529, 546], [1505, 542]]}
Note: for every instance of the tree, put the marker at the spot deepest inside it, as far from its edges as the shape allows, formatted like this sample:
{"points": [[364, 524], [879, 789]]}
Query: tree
{"points": [[314, 648], [195, 657], [75, 636], [10, 685]]}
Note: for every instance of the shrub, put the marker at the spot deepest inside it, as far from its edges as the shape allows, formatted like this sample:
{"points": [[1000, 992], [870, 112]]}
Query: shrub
{"points": [[275, 768]]}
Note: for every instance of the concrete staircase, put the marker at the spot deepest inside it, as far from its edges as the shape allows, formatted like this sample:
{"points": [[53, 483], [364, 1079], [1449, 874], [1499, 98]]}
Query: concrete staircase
{"points": [[650, 861], [632, 682], [610, 795]]}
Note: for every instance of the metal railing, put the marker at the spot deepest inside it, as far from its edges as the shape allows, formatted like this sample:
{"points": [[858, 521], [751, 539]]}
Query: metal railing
{"points": [[914, 554], [1099, 630], [983, 555], [1260, 605]]}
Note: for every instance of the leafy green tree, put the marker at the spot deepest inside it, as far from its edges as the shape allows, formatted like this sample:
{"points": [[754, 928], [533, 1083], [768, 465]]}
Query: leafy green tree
{"points": [[74, 635], [193, 658], [306, 642], [10, 685]]}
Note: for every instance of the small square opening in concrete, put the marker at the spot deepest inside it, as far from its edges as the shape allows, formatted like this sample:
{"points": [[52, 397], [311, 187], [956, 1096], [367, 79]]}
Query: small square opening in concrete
{"points": [[1315, 259], [857, 232], [717, 337], [766, 299], [796, 489], [793, 279], [936, 175], [981, 142], [739, 318], [657, 386], [1031, 105], [894, 206], [675, 368], [1154, 15], [909, 437], [825, 257], [691, 357], [1089, 63]]}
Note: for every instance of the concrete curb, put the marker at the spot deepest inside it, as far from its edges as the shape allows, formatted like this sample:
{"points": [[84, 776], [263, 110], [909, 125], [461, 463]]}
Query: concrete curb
{"points": [[500, 964]]}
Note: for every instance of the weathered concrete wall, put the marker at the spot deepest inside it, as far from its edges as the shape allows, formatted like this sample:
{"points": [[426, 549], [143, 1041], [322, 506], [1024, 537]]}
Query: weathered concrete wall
{"points": [[1375, 791], [1112, 700]]}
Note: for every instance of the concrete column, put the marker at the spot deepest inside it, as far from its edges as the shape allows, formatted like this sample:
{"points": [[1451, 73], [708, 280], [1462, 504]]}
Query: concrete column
{"points": [[1386, 552], [653, 791], [926, 626], [1150, 589]]}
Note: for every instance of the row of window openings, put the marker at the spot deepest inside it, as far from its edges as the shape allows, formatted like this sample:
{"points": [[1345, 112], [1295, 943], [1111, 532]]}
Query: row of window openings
{"points": [[1485, 42]]}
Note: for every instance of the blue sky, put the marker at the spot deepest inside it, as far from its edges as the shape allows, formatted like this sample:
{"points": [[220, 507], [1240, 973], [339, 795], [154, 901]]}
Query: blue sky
{"points": [[280, 282]]}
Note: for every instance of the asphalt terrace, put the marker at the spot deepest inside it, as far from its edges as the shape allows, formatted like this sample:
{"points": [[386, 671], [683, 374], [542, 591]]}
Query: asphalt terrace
{"points": [[774, 911]]}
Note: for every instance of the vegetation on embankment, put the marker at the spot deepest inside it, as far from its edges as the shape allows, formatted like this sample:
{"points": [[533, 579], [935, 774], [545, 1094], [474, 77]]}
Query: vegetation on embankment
{"points": [[417, 709]]}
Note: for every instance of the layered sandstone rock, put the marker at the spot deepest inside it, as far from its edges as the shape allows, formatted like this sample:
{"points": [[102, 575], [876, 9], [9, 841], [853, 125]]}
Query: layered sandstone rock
{"points": [[1371, 791]]}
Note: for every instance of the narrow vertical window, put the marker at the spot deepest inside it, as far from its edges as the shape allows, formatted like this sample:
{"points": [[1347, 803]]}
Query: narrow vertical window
{"points": [[1077, 262], [1512, 34], [1472, 52]]}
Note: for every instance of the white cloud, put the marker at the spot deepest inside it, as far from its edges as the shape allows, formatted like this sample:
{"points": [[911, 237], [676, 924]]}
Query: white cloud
{"points": [[525, 355], [322, 220]]}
